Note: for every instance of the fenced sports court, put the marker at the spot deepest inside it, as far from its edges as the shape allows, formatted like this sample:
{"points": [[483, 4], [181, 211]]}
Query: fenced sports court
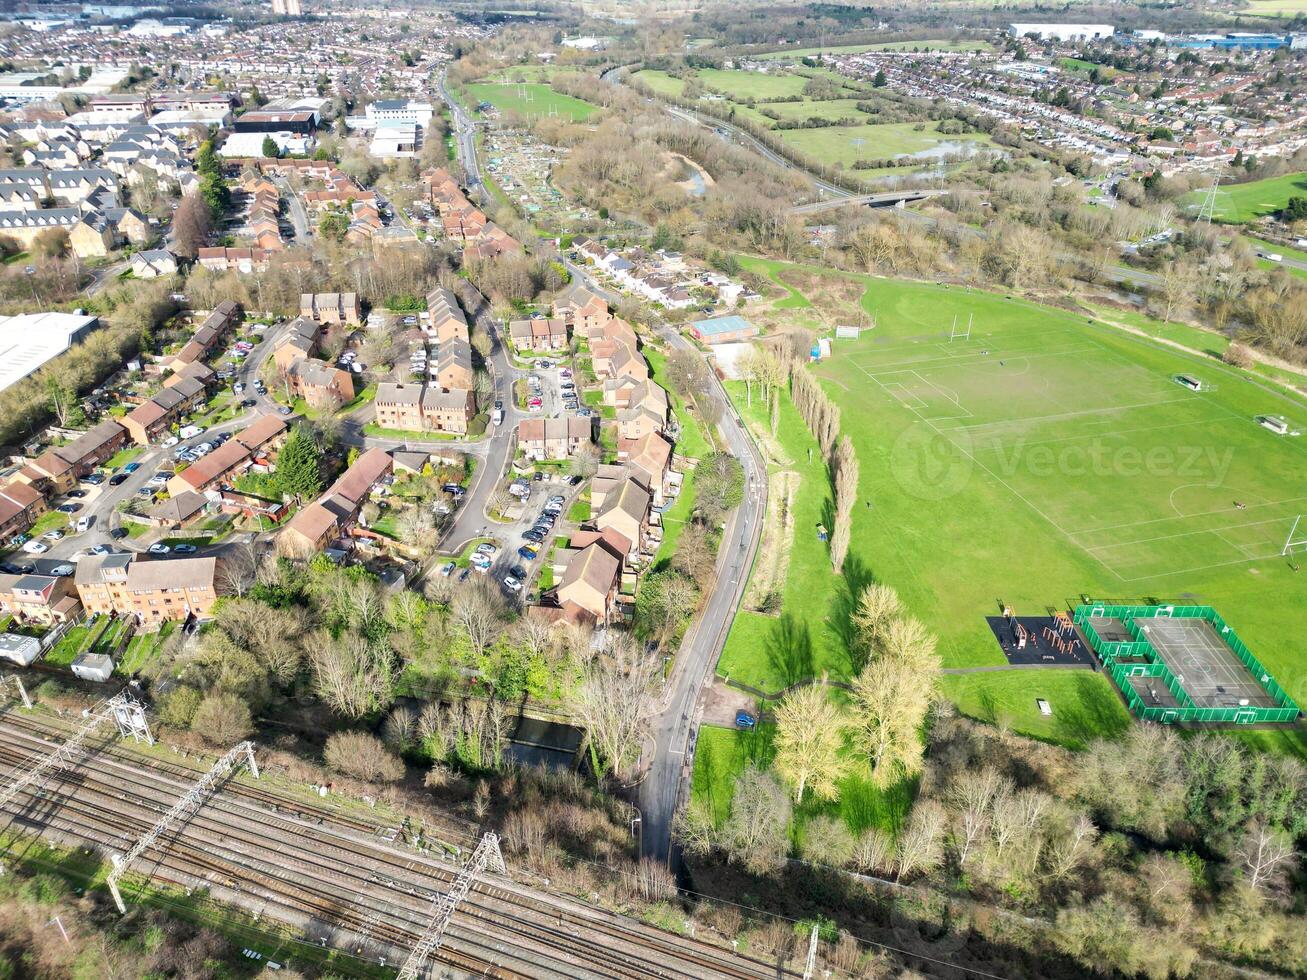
{"points": [[1183, 664]]}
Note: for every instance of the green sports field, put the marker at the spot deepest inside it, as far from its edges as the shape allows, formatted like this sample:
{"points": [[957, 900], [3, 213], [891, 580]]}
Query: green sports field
{"points": [[1042, 459], [1241, 203], [848, 144], [529, 99]]}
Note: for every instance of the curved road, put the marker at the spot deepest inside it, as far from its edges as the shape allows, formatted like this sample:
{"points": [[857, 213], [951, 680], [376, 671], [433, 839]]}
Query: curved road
{"points": [[675, 727]]}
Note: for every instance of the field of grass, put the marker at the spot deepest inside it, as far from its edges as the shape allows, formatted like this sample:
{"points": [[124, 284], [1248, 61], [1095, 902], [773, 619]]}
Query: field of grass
{"points": [[723, 753], [928, 45], [1084, 704], [661, 82], [1044, 459], [530, 99], [1276, 8], [838, 144], [1296, 254], [1085, 67], [692, 442], [144, 648], [1241, 203], [122, 457], [741, 86]]}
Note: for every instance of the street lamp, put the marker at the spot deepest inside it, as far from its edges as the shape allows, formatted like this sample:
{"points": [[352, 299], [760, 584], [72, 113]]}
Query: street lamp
{"points": [[30, 271]]}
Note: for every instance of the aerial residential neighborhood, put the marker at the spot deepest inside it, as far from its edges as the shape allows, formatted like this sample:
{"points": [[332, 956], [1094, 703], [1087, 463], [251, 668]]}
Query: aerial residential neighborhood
{"points": [[696, 490]]}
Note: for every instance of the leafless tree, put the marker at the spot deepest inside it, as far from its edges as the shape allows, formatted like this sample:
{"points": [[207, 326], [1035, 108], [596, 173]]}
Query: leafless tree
{"points": [[613, 701], [810, 742], [972, 794], [757, 832], [352, 675], [1266, 854], [874, 852], [878, 605], [237, 569], [694, 828], [921, 845], [478, 610]]}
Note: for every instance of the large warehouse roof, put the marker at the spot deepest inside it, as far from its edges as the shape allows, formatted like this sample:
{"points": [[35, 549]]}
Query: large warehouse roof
{"points": [[28, 340]]}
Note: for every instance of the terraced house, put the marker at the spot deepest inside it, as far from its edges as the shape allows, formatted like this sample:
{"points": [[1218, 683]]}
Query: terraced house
{"points": [[147, 422], [421, 409], [153, 591]]}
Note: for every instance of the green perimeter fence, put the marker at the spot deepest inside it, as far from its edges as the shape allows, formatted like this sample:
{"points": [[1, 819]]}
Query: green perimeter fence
{"points": [[1111, 653]]}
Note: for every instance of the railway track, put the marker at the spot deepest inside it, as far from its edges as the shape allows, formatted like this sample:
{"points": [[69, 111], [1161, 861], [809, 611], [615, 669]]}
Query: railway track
{"points": [[335, 880]]}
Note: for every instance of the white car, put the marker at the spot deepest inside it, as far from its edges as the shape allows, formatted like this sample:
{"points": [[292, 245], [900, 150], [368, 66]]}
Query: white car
{"points": [[159, 548], [36, 547], [63, 571], [170, 442], [54, 535], [512, 584]]}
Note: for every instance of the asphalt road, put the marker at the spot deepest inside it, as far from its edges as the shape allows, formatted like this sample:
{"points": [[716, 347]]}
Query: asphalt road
{"points": [[673, 730]]}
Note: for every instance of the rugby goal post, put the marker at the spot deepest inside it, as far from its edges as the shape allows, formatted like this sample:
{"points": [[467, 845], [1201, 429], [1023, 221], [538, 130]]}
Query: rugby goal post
{"points": [[1297, 538], [964, 333]]}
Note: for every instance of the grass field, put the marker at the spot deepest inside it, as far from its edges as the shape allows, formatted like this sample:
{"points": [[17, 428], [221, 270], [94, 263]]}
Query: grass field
{"points": [[1241, 203], [1297, 255], [530, 99], [840, 144], [1276, 8], [1043, 459], [929, 45]]}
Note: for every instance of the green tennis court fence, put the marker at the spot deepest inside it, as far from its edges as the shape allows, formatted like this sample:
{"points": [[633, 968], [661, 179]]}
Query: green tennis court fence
{"points": [[1113, 653]]}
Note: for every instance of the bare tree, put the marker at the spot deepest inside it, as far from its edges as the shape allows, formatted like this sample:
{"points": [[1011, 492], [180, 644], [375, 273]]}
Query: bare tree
{"points": [[972, 794], [353, 676], [614, 700], [757, 832], [921, 845], [191, 225], [694, 828], [874, 851], [810, 742], [237, 569], [477, 609], [1266, 854], [878, 605]]}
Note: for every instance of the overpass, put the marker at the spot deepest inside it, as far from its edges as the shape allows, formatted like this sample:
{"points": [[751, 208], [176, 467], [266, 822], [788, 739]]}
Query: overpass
{"points": [[883, 200]]}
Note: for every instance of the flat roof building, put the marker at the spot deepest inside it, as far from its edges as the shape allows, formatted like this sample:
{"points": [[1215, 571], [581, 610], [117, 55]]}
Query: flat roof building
{"points": [[29, 340]]}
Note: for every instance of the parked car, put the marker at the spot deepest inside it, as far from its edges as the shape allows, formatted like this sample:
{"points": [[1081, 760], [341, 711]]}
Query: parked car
{"points": [[238, 387], [527, 552], [98, 549], [248, 403], [93, 479], [118, 479], [447, 569], [75, 494], [68, 508], [118, 533], [512, 584], [283, 410], [170, 442], [185, 549], [85, 523], [744, 720], [131, 467], [466, 573], [36, 547], [159, 548], [487, 548], [534, 536], [53, 535], [63, 571]]}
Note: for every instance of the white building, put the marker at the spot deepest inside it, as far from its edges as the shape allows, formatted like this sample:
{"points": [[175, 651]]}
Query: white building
{"points": [[406, 111], [396, 140], [28, 340], [1062, 32]]}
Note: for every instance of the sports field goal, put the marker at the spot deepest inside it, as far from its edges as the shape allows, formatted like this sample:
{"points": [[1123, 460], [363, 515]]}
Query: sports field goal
{"points": [[1297, 539]]}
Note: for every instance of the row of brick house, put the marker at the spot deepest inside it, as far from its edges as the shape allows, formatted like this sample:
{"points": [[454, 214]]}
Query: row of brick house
{"points": [[462, 221], [623, 494], [322, 385], [123, 584], [332, 519], [444, 401], [186, 389]]}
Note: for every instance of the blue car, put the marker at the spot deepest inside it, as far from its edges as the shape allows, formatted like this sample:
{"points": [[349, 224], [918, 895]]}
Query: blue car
{"points": [[744, 720], [131, 467], [527, 552]]}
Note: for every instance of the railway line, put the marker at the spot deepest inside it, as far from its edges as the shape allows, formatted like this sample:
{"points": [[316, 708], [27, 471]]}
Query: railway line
{"points": [[336, 881]]}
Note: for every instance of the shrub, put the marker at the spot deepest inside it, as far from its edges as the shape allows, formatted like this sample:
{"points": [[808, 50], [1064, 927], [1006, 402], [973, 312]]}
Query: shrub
{"points": [[222, 719], [178, 707], [362, 756], [1239, 356]]}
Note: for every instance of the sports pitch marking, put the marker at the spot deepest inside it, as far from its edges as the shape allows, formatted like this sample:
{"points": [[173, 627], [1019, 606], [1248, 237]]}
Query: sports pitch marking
{"points": [[953, 360]]}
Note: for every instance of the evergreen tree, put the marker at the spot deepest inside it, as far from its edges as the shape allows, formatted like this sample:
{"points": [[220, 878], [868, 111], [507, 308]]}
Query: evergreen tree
{"points": [[299, 466], [270, 148]]}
